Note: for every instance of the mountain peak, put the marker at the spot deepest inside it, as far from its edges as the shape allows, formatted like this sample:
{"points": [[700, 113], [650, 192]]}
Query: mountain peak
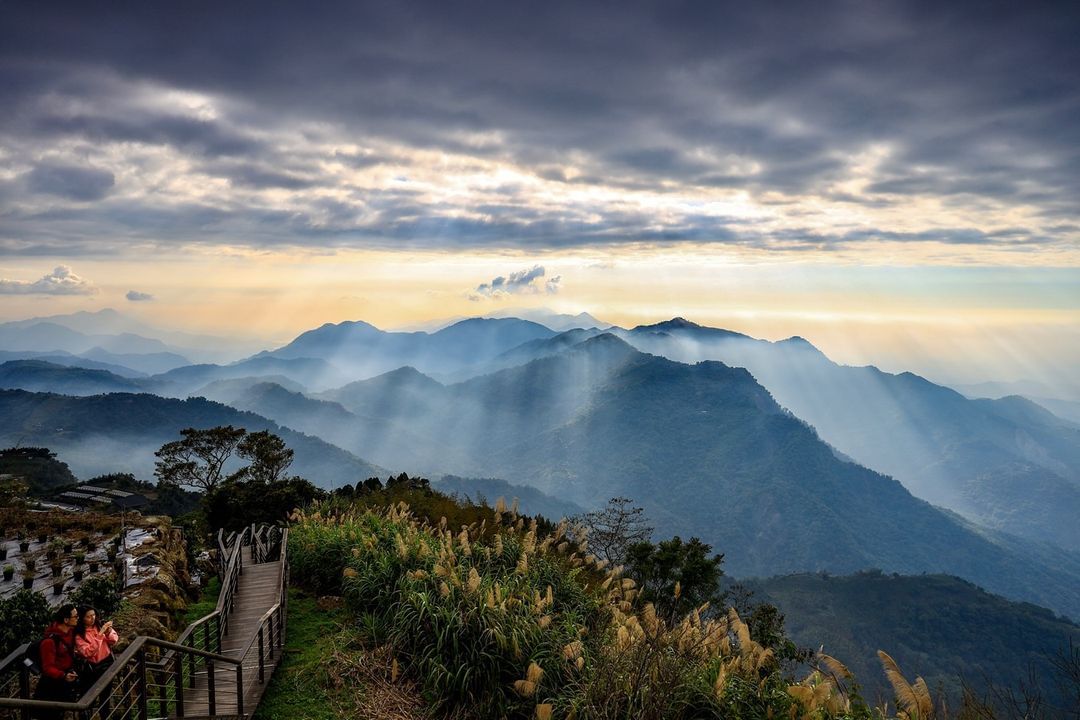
{"points": [[404, 375], [606, 343], [479, 323], [675, 323], [681, 325], [606, 339], [798, 342]]}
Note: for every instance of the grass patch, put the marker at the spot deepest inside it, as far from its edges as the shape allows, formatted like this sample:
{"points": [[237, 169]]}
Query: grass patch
{"points": [[206, 603], [301, 687]]}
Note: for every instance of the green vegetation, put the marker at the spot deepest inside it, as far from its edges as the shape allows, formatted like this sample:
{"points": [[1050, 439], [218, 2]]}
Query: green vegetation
{"points": [[198, 459], [237, 503], [206, 603], [23, 617], [37, 466], [163, 499], [302, 687], [100, 592], [499, 617]]}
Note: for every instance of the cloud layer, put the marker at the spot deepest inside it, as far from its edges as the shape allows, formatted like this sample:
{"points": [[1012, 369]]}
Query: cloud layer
{"points": [[561, 124]]}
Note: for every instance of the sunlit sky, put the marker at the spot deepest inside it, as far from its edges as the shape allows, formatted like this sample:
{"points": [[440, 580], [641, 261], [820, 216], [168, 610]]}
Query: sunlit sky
{"points": [[897, 182]]}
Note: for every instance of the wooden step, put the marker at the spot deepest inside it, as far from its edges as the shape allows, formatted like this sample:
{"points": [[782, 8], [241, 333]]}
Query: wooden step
{"points": [[257, 591]]}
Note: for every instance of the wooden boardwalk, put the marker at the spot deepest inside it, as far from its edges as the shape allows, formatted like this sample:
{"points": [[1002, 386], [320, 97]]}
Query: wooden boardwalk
{"points": [[258, 590]]}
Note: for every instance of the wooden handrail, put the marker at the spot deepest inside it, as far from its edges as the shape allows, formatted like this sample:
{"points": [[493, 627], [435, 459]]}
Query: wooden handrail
{"points": [[90, 697], [228, 587], [136, 652]]}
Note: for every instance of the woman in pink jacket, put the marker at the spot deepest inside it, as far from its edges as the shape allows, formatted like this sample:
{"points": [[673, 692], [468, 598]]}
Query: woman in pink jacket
{"points": [[93, 645]]}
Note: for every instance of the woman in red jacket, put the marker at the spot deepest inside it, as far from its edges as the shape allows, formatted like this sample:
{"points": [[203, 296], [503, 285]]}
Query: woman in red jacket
{"points": [[93, 644], [58, 680]]}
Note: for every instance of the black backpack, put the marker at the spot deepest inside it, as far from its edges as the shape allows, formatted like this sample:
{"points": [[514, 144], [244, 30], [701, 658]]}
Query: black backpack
{"points": [[32, 657]]}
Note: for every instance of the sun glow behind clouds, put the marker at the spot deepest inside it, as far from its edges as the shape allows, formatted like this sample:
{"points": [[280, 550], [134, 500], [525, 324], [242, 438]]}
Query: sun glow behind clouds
{"points": [[946, 322]]}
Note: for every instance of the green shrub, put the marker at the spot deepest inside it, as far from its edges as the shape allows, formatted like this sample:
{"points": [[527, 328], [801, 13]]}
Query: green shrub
{"points": [[23, 617], [99, 592]]}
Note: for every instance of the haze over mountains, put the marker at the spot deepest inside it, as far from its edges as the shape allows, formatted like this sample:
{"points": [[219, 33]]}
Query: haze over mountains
{"points": [[770, 451]]}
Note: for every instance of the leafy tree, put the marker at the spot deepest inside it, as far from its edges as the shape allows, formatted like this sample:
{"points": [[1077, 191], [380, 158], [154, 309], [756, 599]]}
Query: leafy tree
{"points": [[12, 491], [237, 503], [38, 466], [675, 576], [403, 482], [198, 459], [101, 592], [270, 458], [615, 528], [371, 485], [23, 617]]}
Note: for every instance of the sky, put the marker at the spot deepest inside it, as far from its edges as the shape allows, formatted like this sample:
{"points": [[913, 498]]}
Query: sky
{"points": [[896, 181]]}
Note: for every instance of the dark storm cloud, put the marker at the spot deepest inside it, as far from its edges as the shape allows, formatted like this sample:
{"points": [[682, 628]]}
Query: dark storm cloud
{"points": [[973, 102], [74, 183]]}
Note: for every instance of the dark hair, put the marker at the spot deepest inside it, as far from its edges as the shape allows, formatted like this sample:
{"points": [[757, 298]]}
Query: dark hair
{"points": [[63, 613], [80, 629]]}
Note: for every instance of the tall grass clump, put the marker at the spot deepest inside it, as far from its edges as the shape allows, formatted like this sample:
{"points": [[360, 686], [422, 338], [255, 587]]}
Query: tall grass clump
{"points": [[469, 617], [498, 618]]}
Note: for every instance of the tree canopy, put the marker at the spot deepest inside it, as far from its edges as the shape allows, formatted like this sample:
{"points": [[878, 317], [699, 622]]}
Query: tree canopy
{"points": [[199, 458], [675, 576]]}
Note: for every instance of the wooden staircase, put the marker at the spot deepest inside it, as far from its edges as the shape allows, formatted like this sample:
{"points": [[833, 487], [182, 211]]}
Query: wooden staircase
{"points": [[258, 590], [218, 668]]}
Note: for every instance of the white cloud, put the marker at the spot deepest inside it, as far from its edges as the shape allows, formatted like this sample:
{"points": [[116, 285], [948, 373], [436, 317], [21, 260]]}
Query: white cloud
{"points": [[61, 281], [136, 296], [522, 282]]}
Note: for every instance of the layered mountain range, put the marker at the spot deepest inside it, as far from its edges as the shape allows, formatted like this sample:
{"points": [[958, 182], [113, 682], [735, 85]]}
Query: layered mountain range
{"points": [[782, 459]]}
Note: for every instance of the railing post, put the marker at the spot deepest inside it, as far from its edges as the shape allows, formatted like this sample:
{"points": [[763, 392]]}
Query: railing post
{"points": [[24, 690], [211, 689], [179, 685], [217, 632], [270, 628], [240, 689], [143, 684], [262, 661]]}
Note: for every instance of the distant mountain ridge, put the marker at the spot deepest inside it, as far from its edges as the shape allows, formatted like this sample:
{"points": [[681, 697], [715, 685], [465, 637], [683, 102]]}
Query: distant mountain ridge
{"points": [[109, 322], [69, 360], [707, 451], [935, 626], [1012, 469], [362, 350], [119, 432], [44, 376], [759, 470], [313, 373]]}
